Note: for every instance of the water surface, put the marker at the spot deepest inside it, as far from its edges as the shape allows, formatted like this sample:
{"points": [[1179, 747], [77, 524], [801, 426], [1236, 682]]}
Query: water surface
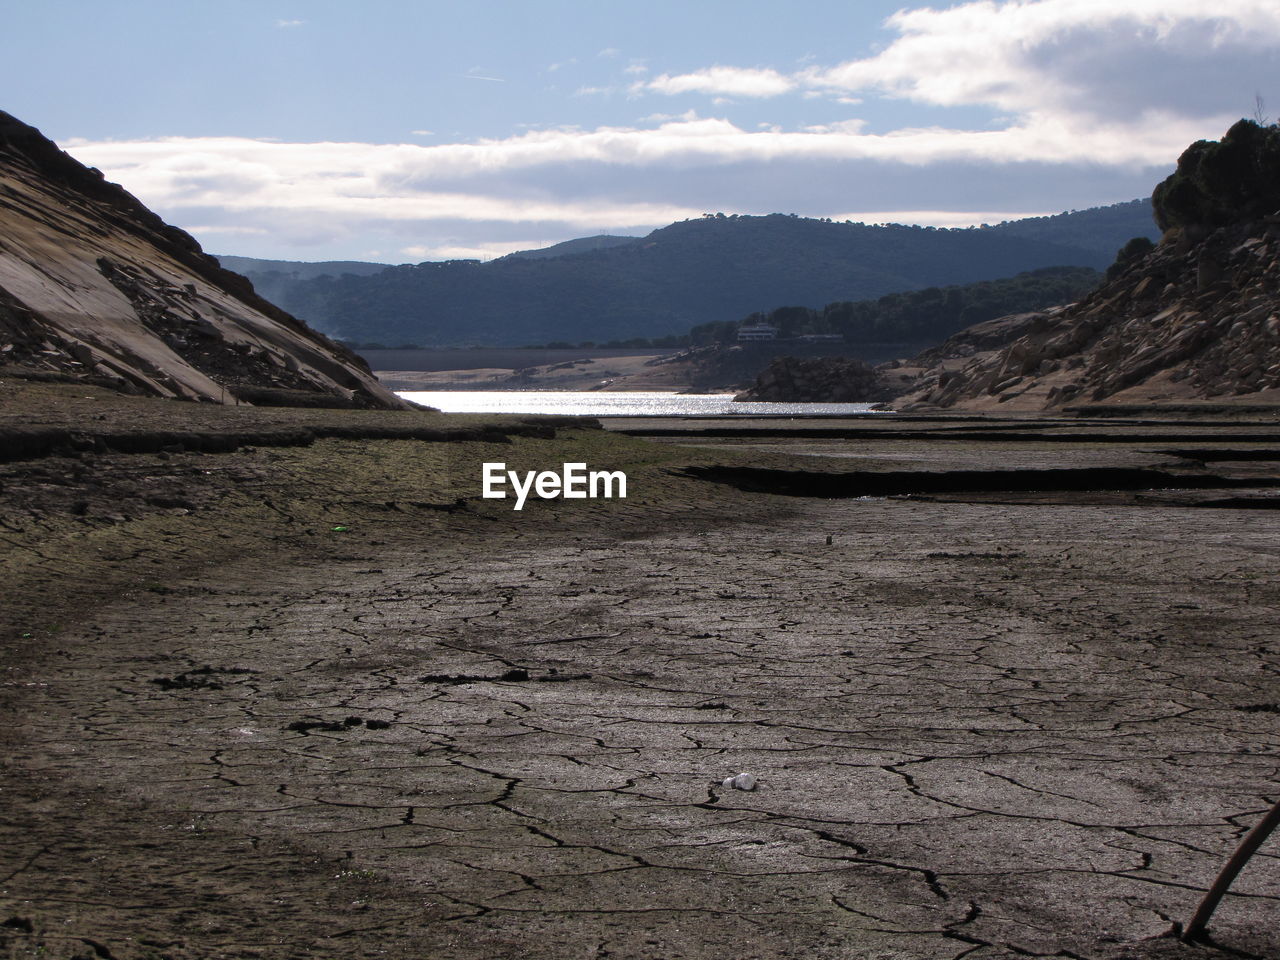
{"points": [[629, 404]]}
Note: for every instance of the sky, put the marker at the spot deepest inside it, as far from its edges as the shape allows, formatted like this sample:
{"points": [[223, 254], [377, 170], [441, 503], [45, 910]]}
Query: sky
{"points": [[400, 131]]}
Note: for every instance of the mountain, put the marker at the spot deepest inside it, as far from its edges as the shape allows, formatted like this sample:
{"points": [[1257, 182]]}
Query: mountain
{"points": [[712, 269], [1102, 229], [1197, 318], [274, 279], [570, 247], [92, 283], [300, 269], [918, 316]]}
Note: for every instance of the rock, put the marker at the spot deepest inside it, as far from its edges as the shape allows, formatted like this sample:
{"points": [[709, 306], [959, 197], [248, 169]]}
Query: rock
{"points": [[743, 781], [1197, 317], [106, 288], [1198, 345], [819, 380]]}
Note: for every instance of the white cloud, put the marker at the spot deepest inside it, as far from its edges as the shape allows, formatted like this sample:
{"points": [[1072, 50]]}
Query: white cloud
{"points": [[353, 180], [340, 198], [463, 180], [287, 24], [1083, 57], [464, 251], [1065, 60], [667, 117], [840, 126], [722, 81], [227, 229], [1090, 93]]}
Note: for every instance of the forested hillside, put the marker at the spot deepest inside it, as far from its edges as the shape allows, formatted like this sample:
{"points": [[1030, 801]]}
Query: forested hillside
{"points": [[1098, 228], [713, 269], [919, 315]]}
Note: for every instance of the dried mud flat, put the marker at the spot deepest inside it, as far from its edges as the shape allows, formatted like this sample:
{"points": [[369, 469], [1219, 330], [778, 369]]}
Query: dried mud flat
{"points": [[336, 706]]}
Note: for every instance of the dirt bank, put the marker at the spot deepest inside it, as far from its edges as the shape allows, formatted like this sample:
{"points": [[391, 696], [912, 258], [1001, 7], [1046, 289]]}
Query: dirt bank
{"points": [[323, 700]]}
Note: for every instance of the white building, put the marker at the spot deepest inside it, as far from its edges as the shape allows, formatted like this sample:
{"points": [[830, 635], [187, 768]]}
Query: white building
{"points": [[757, 331]]}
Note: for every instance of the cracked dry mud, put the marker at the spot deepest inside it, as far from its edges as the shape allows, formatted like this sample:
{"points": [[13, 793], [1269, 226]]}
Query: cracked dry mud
{"points": [[979, 730]]}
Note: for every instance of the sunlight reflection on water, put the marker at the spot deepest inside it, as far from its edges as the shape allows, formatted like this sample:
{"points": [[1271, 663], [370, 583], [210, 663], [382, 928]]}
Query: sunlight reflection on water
{"points": [[633, 404]]}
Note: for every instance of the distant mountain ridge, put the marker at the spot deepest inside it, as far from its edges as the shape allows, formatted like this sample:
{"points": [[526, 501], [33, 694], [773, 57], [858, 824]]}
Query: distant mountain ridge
{"points": [[274, 279], [715, 268], [570, 248], [1097, 228], [302, 269]]}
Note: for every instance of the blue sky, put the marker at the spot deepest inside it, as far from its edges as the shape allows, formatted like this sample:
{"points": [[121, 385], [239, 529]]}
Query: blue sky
{"points": [[406, 131]]}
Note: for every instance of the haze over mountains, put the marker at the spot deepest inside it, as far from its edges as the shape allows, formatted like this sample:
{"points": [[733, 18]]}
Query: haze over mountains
{"points": [[716, 268]]}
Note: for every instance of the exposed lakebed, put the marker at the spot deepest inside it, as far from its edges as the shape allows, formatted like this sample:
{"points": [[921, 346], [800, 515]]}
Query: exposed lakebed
{"points": [[311, 714]]}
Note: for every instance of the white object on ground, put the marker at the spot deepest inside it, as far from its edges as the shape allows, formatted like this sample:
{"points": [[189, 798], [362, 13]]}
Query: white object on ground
{"points": [[743, 781]]}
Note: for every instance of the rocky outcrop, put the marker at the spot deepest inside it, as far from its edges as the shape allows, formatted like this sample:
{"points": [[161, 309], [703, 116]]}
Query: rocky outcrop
{"points": [[986, 337], [1221, 182], [818, 380], [93, 284], [1195, 319]]}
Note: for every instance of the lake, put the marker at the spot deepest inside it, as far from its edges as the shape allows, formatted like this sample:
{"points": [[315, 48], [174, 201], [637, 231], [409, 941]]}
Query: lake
{"points": [[630, 404]]}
